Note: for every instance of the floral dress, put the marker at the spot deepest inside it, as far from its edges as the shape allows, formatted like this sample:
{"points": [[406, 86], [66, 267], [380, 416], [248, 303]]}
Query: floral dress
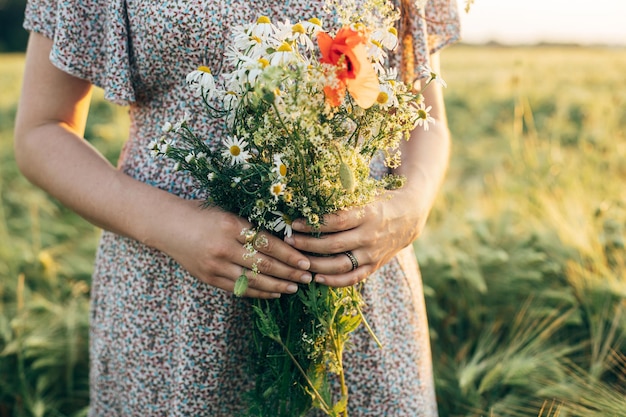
{"points": [[162, 342]]}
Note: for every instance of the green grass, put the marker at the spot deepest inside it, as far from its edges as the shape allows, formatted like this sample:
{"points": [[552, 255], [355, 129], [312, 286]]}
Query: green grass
{"points": [[523, 258]]}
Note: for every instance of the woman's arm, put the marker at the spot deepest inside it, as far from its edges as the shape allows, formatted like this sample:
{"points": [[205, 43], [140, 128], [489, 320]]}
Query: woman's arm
{"points": [[377, 233], [51, 153]]}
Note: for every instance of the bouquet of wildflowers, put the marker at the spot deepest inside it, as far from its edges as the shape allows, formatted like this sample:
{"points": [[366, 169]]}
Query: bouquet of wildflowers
{"points": [[306, 112]]}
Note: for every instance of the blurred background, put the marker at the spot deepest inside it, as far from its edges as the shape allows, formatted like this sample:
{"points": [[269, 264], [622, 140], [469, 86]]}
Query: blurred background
{"points": [[523, 257]]}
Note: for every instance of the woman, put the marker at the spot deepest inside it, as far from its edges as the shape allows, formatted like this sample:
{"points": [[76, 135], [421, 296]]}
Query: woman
{"points": [[167, 335]]}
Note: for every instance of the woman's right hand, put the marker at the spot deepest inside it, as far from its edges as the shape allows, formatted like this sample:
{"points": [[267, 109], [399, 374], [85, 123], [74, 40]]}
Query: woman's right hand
{"points": [[51, 153], [209, 243]]}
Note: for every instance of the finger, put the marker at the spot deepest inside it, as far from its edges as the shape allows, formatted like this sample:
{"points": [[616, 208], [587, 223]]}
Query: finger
{"points": [[344, 280], [332, 265], [259, 281], [330, 223], [329, 244], [276, 248], [273, 267], [229, 285]]}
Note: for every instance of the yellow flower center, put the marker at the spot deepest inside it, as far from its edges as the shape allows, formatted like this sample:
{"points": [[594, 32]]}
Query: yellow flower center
{"points": [[235, 150], [264, 62], [263, 20], [202, 68], [284, 47], [393, 31], [382, 97], [277, 189], [282, 169], [315, 21], [422, 114], [376, 43], [298, 28], [287, 220]]}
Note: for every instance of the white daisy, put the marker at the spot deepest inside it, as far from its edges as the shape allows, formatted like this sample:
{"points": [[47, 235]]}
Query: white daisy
{"points": [[312, 26], [235, 150], [283, 222], [263, 28], [426, 72], [423, 116], [283, 55], [387, 39], [231, 101], [277, 189], [387, 96], [201, 82], [248, 70], [190, 157], [295, 33], [167, 127], [182, 122], [280, 169]]}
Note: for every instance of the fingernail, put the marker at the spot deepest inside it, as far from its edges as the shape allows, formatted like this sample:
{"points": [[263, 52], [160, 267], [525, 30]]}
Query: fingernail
{"points": [[276, 295], [306, 278], [319, 279], [290, 240], [292, 288], [297, 225], [304, 264]]}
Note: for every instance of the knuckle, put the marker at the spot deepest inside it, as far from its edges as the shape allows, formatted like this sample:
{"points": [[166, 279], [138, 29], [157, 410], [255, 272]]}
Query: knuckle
{"points": [[264, 243], [265, 264], [341, 220], [336, 246]]}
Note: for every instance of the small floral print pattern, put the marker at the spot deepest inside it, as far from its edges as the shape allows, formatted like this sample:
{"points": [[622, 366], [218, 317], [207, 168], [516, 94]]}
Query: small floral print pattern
{"points": [[162, 342]]}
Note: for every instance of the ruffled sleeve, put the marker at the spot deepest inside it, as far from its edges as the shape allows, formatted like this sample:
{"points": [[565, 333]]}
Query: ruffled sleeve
{"points": [[425, 31], [90, 41]]}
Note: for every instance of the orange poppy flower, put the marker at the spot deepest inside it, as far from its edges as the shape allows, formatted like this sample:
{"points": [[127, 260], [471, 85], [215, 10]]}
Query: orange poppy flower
{"points": [[354, 71]]}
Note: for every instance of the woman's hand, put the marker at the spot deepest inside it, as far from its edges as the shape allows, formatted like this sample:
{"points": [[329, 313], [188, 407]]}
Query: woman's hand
{"points": [[373, 234], [212, 249], [376, 233], [51, 153]]}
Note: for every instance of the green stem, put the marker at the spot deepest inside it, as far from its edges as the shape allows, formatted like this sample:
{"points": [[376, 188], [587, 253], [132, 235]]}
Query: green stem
{"points": [[325, 406], [369, 329]]}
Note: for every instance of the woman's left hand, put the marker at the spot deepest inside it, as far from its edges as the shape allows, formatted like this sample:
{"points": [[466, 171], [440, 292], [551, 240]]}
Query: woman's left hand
{"points": [[373, 235]]}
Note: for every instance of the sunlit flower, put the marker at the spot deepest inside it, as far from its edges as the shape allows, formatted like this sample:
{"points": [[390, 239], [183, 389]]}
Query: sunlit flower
{"points": [[296, 33], [426, 72], [386, 38], [283, 55], [231, 100], [387, 97], [283, 222], [346, 51], [277, 189], [279, 168], [312, 26], [423, 116], [263, 28], [201, 82], [236, 150]]}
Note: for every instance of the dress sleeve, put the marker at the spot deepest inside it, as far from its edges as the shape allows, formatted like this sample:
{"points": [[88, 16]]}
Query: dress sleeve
{"points": [[423, 32], [90, 41]]}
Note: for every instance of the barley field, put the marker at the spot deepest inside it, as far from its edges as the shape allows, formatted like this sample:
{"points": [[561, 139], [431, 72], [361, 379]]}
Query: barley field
{"points": [[523, 258]]}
